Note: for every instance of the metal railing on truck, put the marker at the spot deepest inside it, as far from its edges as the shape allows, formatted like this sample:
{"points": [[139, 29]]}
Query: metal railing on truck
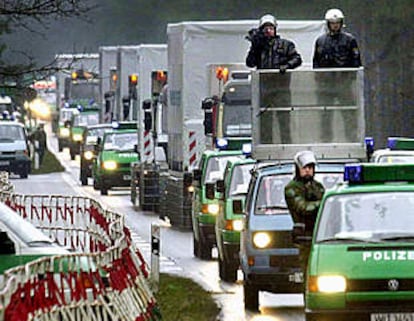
{"points": [[106, 277]]}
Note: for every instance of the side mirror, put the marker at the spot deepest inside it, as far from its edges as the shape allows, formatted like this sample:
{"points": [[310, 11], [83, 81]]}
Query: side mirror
{"points": [[187, 179], [220, 186], [197, 174], [210, 191], [6, 244], [208, 122], [136, 148], [237, 207], [298, 234]]}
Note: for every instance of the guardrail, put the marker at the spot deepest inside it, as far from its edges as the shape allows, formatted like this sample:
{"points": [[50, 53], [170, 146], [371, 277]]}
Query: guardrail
{"points": [[106, 277]]}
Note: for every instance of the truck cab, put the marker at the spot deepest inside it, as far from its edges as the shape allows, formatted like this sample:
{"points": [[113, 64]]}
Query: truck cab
{"points": [[228, 119]]}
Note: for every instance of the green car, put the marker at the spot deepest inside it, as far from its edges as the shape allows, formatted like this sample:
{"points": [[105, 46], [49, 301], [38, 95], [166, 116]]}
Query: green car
{"points": [[229, 219], [116, 152], [362, 252], [79, 121], [205, 202]]}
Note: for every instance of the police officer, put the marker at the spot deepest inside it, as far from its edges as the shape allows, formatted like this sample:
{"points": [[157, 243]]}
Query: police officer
{"points": [[336, 48], [40, 136], [303, 195], [268, 50]]}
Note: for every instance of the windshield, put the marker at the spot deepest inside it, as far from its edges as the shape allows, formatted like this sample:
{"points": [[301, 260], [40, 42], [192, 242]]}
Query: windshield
{"points": [[86, 119], [121, 141], [66, 114], [396, 159], [85, 90], [11, 133], [367, 216], [271, 193], [240, 179], [215, 168], [237, 120], [93, 134]]}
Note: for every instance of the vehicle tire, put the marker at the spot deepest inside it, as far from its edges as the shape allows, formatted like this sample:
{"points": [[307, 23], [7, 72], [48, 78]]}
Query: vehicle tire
{"points": [[195, 246], [83, 178], [227, 272], [60, 147], [104, 190], [72, 154], [204, 251], [24, 174], [95, 185], [251, 296]]}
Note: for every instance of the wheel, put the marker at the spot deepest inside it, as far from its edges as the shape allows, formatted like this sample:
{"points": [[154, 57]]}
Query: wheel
{"points": [[251, 296], [227, 272], [83, 178], [60, 147], [95, 184], [104, 190], [24, 174], [195, 246], [203, 251], [72, 154]]}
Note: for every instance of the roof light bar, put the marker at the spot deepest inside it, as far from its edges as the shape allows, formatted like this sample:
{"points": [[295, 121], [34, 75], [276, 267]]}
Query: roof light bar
{"points": [[400, 143], [378, 173]]}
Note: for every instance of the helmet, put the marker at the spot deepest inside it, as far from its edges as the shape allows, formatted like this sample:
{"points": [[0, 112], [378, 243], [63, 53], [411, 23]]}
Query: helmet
{"points": [[304, 158], [267, 18], [334, 15]]}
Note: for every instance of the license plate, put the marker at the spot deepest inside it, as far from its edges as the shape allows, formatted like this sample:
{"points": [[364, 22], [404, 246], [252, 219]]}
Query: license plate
{"points": [[392, 317], [296, 277], [4, 163], [127, 177]]}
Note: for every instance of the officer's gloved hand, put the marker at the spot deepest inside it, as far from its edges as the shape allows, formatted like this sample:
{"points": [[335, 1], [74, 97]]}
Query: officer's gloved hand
{"points": [[282, 68]]}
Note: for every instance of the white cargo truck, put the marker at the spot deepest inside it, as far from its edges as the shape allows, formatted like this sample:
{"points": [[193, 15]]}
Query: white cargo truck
{"points": [[193, 47], [107, 86], [139, 101]]}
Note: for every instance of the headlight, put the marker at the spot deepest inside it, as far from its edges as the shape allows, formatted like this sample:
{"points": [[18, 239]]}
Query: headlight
{"points": [[109, 165], [213, 209], [191, 189], [88, 155], [77, 137], [237, 225], [261, 240], [331, 283], [64, 132]]}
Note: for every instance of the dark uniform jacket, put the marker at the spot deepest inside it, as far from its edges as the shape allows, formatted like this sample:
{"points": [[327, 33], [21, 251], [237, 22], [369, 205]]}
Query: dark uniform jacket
{"points": [[303, 200], [338, 50], [271, 54]]}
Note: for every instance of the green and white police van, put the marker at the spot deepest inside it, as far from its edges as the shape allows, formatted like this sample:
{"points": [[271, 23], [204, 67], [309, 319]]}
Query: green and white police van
{"points": [[399, 150], [205, 202], [229, 223], [116, 152], [361, 265]]}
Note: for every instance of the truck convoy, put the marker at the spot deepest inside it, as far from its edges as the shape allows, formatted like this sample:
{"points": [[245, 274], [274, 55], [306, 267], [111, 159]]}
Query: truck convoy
{"points": [[193, 48]]}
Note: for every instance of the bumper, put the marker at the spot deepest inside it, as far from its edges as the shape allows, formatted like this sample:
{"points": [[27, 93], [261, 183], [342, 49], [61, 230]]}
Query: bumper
{"points": [[231, 252], [117, 179], [281, 282], [397, 313], [207, 233], [15, 165]]}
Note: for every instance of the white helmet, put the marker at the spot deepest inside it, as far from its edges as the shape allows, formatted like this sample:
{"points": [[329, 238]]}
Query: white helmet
{"points": [[267, 18], [304, 158], [334, 15]]}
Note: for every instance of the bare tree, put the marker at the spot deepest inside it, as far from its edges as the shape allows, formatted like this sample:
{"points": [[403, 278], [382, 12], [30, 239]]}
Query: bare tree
{"points": [[17, 14]]}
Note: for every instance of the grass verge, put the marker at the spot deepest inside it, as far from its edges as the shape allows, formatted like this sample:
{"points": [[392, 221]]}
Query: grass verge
{"points": [[50, 164], [182, 299]]}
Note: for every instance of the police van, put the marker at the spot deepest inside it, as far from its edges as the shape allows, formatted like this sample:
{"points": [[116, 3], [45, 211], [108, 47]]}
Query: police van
{"points": [[399, 150], [362, 253]]}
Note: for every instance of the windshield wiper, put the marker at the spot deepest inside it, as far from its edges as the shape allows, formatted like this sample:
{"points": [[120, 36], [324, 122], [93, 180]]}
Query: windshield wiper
{"points": [[398, 237], [40, 243], [272, 207], [346, 239]]}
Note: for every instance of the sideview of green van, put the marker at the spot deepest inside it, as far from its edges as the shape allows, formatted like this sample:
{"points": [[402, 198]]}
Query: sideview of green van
{"points": [[229, 223], [361, 265]]}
